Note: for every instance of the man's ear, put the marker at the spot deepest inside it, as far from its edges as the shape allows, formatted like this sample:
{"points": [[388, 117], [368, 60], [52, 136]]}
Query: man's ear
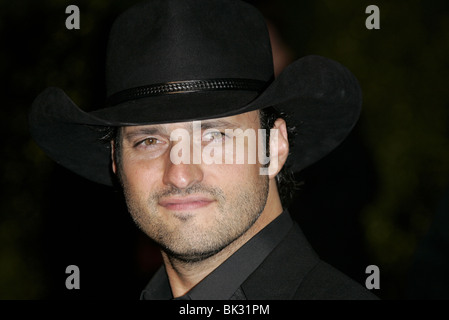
{"points": [[279, 147], [114, 165]]}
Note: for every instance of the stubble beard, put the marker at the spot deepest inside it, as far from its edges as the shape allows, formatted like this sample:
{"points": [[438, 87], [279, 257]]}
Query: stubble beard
{"points": [[234, 215]]}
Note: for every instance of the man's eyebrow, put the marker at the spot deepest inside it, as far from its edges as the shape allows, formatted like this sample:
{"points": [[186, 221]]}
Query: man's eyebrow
{"points": [[153, 130], [218, 124]]}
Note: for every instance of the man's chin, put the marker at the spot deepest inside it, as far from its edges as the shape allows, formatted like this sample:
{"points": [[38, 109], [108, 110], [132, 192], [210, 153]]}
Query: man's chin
{"points": [[191, 256]]}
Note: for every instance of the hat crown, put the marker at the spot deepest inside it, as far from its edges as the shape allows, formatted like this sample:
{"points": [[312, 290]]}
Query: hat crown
{"points": [[161, 41]]}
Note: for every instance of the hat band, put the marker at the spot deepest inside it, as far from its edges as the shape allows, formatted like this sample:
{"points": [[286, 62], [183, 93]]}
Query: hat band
{"points": [[186, 87]]}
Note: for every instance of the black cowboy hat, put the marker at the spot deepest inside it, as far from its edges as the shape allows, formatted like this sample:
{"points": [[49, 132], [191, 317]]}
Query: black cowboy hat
{"points": [[182, 60]]}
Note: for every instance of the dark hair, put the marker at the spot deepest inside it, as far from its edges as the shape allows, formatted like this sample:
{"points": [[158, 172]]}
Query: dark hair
{"points": [[285, 179]]}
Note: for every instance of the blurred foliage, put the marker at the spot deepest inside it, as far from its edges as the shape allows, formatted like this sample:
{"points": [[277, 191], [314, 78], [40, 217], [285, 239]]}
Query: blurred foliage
{"points": [[402, 68], [38, 51], [403, 71]]}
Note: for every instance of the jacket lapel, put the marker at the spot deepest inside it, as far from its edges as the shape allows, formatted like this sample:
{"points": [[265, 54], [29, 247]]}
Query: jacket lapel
{"points": [[281, 273]]}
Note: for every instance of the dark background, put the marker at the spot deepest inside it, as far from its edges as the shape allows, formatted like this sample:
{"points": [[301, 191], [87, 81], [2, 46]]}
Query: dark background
{"points": [[380, 198]]}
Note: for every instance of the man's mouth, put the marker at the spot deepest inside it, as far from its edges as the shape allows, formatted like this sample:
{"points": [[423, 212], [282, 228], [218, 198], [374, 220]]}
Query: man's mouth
{"points": [[186, 203]]}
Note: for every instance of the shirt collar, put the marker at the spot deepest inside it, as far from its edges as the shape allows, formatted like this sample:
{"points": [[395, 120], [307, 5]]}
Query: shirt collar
{"points": [[227, 278]]}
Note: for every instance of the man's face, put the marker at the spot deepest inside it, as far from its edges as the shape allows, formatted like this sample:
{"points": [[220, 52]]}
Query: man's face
{"points": [[193, 210]]}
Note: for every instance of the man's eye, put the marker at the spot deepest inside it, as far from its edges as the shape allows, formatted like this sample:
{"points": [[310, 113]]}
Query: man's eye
{"points": [[148, 142], [213, 136]]}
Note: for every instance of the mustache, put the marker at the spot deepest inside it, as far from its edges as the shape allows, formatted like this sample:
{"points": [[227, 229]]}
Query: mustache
{"points": [[197, 188]]}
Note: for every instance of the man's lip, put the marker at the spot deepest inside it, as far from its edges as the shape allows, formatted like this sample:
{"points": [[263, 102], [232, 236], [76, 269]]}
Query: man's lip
{"points": [[185, 203]]}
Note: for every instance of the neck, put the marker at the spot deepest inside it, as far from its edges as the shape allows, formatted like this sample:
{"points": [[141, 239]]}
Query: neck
{"points": [[183, 276]]}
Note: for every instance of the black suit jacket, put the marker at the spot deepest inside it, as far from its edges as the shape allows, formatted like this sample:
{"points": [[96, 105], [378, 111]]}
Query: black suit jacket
{"points": [[294, 271]]}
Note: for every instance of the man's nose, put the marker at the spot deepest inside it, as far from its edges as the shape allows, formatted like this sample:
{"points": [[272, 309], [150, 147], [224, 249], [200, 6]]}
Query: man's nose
{"points": [[182, 175]]}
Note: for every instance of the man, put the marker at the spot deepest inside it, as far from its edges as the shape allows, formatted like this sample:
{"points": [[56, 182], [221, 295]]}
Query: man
{"points": [[197, 139]]}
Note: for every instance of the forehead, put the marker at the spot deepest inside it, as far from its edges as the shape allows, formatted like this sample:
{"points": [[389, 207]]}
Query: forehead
{"points": [[244, 120]]}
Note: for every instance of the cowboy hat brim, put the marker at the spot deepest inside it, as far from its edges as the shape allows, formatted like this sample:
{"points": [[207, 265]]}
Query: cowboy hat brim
{"points": [[322, 97]]}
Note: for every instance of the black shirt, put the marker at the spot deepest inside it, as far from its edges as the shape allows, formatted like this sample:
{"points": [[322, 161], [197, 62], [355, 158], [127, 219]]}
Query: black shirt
{"points": [[225, 281]]}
